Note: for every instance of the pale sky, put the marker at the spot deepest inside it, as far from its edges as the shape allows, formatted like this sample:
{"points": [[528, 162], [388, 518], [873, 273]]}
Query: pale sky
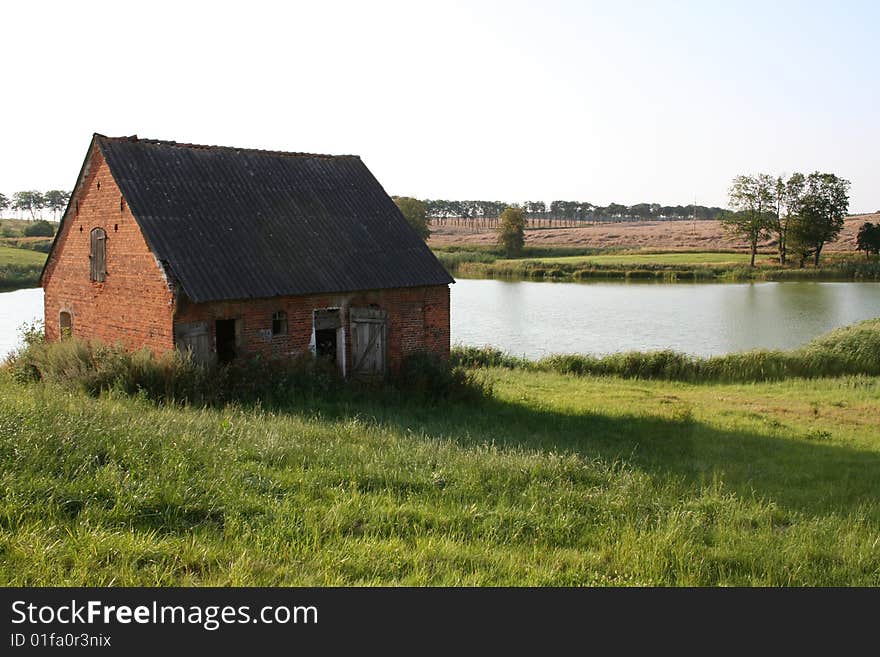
{"points": [[591, 101]]}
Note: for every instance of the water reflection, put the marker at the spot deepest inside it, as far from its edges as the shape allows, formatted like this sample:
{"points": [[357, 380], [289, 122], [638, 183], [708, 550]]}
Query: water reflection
{"points": [[535, 319], [17, 308]]}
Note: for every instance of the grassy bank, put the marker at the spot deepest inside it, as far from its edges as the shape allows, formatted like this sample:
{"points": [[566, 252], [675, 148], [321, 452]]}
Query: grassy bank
{"points": [[20, 267], [679, 266], [554, 479], [851, 350]]}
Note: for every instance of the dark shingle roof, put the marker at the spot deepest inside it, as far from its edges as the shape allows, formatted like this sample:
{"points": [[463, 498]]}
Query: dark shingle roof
{"points": [[235, 223]]}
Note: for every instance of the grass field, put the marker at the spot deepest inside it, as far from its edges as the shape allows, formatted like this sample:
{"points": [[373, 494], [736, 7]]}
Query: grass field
{"points": [[20, 267], [677, 258], [555, 480], [21, 257], [566, 263]]}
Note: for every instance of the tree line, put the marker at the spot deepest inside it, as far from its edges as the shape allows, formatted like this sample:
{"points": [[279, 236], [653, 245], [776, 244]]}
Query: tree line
{"points": [[803, 213], [33, 202], [568, 210]]}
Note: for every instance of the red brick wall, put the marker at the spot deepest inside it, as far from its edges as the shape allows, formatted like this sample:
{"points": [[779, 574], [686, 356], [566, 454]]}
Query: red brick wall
{"points": [[134, 304], [418, 320]]}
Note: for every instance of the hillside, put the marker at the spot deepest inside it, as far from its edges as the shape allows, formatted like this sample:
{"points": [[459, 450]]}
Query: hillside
{"points": [[702, 235]]}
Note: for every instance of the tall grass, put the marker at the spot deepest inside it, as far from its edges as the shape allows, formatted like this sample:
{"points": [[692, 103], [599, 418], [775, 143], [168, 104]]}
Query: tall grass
{"points": [[851, 350], [38, 244], [173, 377], [14, 276], [481, 265], [554, 481]]}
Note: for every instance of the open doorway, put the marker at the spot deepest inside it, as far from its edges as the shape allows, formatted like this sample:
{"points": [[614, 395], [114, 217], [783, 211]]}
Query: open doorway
{"points": [[225, 335], [325, 343], [328, 335]]}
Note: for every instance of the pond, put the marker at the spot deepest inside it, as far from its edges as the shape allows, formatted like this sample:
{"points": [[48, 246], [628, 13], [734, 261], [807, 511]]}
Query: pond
{"points": [[704, 319], [535, 319], [17, 308]]}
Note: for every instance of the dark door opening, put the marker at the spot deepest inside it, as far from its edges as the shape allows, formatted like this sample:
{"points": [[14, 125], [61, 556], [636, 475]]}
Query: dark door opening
{"points": [[225, 332], [325, 343]]}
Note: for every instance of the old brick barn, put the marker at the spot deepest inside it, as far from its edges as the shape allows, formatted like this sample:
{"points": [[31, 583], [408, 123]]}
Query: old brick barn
{"points": [[235, 252]]}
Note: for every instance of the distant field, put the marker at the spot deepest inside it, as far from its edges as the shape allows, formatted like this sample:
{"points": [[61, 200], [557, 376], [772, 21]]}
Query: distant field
{"points": [[683, 258], [21, 257], [20, 267], [671, 235]]}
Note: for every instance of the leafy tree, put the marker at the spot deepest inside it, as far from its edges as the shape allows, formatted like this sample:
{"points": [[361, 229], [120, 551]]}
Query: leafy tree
{"points": [[489, 208], [868, 239], [820, 212], [511, 231], [752, 199], [642, 210], [56, 200], [41, 228], [616, 210], [586, 209], [416, 214], [31, 201], [788, 194], [797, 245], [4, 202], [563, 209], [535, 207]]}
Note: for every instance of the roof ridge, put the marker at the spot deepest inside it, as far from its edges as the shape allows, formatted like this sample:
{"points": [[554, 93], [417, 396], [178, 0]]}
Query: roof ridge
{"points": [[174, 144]]}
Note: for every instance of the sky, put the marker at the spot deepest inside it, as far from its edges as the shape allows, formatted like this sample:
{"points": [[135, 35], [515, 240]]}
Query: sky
{"points": [[603, 102]]}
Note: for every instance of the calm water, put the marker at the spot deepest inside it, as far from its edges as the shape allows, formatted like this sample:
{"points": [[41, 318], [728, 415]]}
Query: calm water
{"points": [[535, 319], [16, 308]]}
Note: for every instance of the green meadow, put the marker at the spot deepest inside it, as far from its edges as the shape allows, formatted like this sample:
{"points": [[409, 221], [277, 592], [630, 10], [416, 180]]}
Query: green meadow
{"points": [[20, 267], [668, 258], [584, 264], [553, 479]]}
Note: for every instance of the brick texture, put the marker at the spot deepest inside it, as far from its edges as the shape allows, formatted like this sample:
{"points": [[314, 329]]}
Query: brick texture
{"points": [[418, 320], [133, 306], [136, 306]]}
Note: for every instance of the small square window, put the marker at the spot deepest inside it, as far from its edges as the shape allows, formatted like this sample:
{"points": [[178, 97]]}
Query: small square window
{"points": [[279, 323]]}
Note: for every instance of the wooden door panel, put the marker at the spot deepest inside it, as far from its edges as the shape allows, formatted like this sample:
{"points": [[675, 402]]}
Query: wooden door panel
{"points": [[368, 342]]}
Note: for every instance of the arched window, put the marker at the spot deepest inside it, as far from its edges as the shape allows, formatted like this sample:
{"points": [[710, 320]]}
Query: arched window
{"points": [[98, 255], [279, 323], [65, 323]]}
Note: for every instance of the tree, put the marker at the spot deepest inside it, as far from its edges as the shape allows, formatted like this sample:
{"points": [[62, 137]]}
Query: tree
{"points": [[511, 231], [416, 214], [4, 202], [41, 228], [32, 201], [820, 212], [788, 194], [535, 207], [752, 199], [56, 200], [642, 210], [868, 239], [616, 210]]}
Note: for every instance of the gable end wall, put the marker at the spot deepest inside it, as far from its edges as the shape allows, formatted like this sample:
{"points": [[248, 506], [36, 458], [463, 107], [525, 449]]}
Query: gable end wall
{"points": [[134, 304]]}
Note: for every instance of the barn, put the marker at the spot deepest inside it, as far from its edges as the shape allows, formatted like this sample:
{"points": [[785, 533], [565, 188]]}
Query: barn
{"points": [[233, 253]]}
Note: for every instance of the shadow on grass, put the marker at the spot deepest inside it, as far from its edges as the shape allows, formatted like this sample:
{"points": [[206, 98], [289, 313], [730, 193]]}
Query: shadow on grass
{"points": [[805, 473]]}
